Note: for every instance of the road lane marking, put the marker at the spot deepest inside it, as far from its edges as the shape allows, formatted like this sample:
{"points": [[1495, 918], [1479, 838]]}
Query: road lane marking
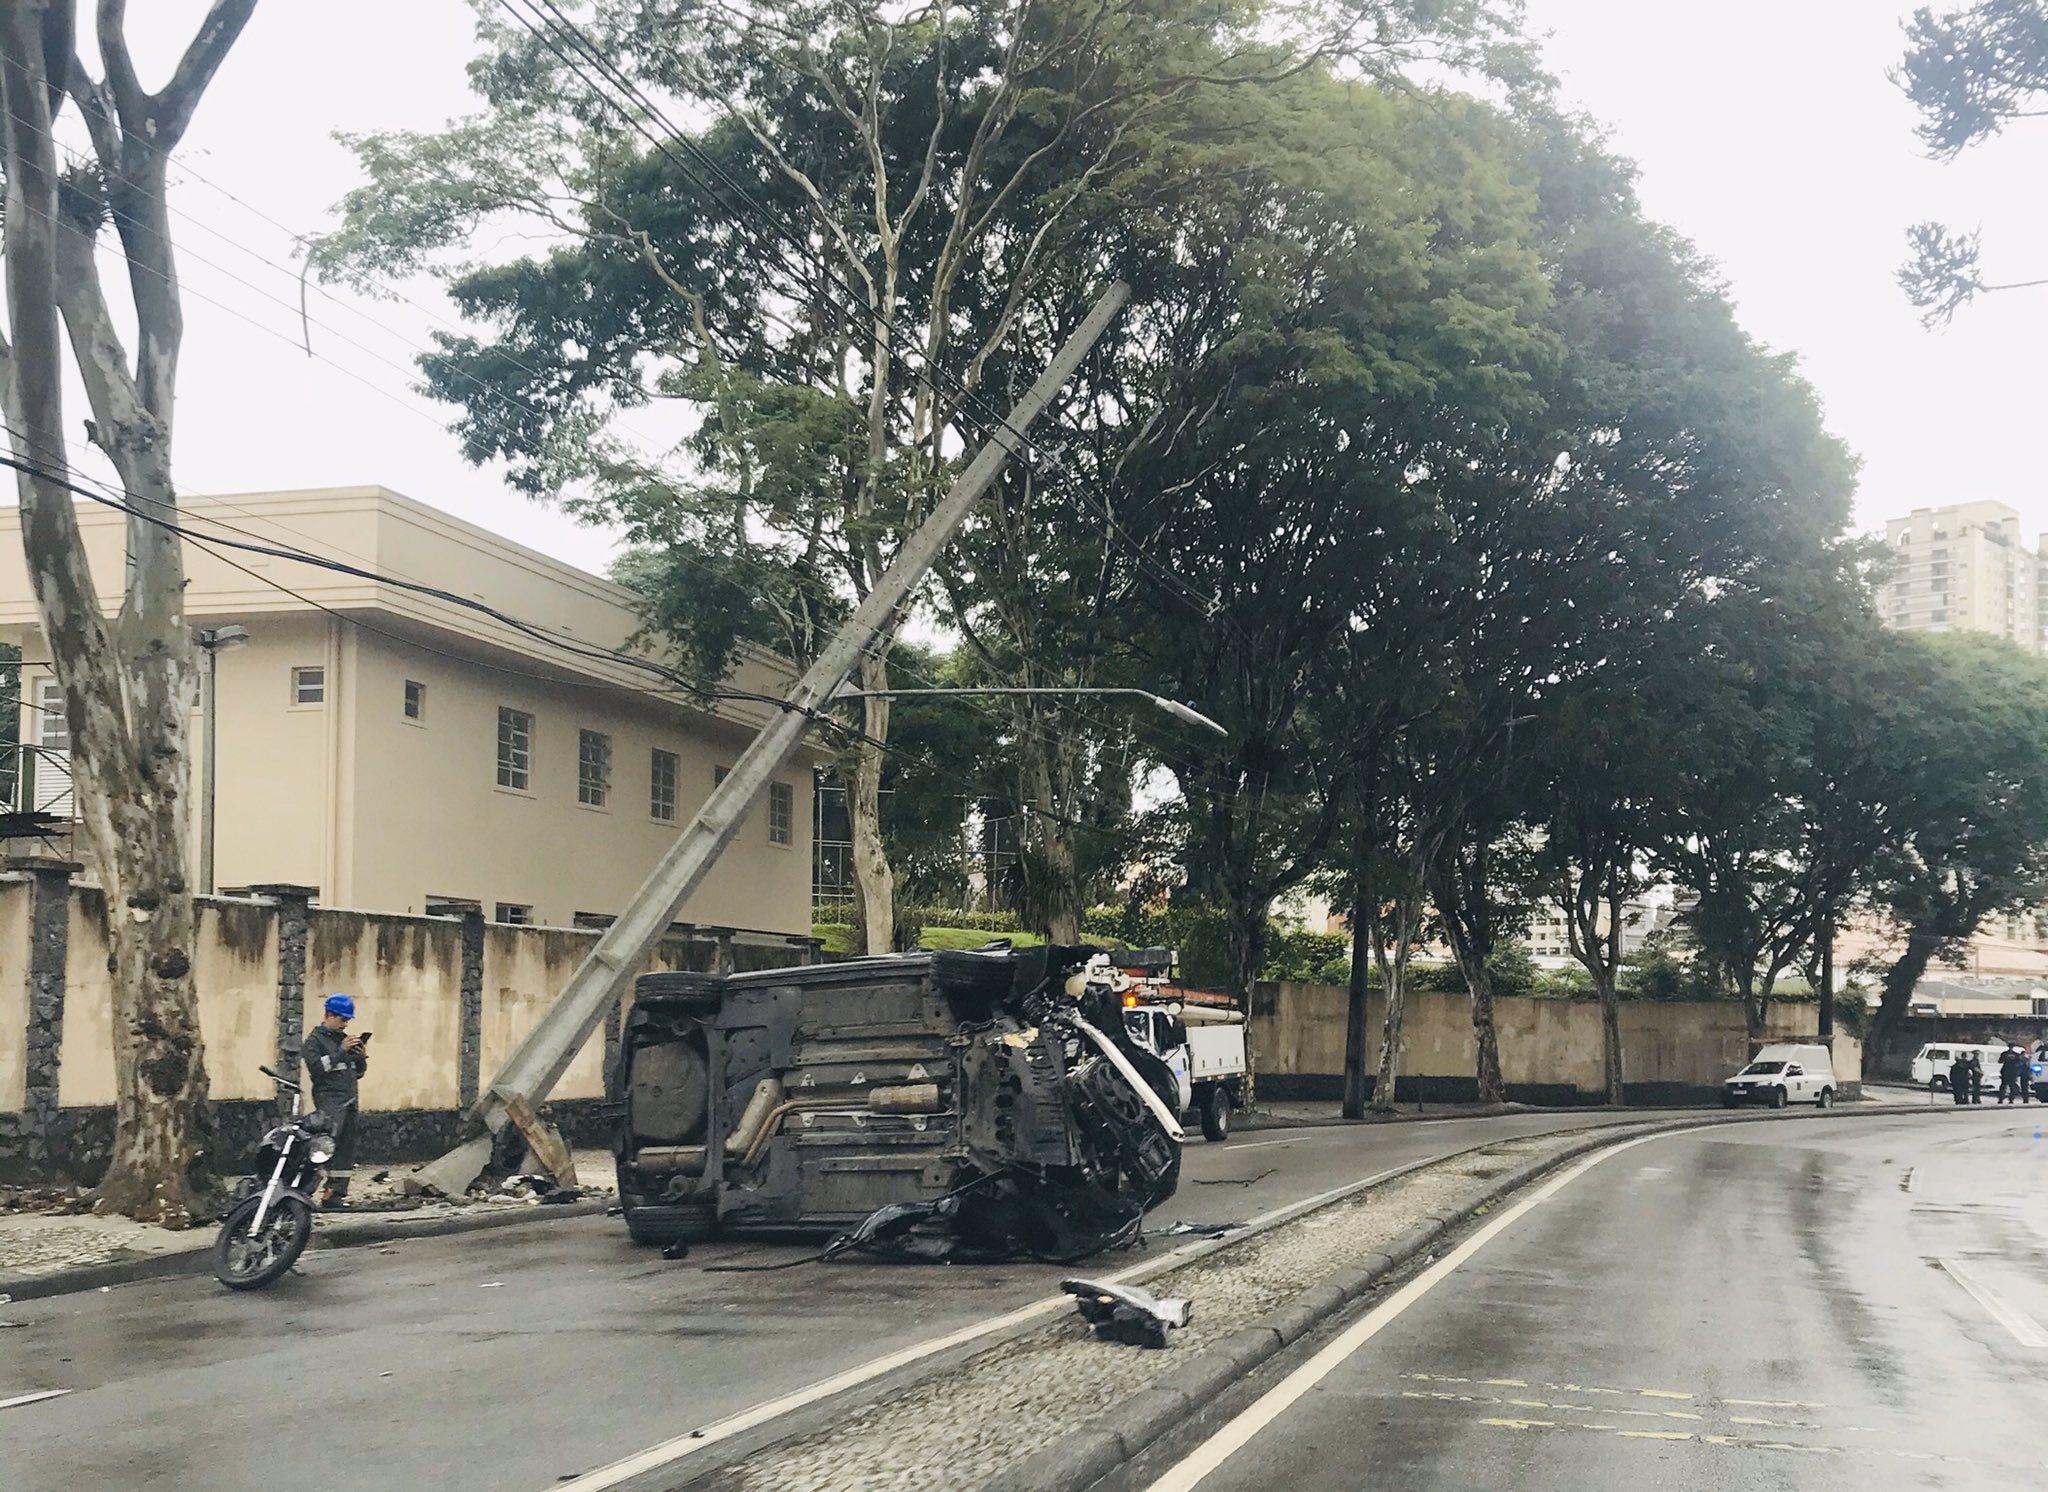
{"points": [[48, 1393], [1262, 1144], [677, 1448], [1193, 1469], [2023, 1329]]}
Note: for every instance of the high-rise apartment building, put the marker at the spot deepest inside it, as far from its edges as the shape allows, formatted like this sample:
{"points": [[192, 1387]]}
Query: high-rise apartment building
{"points": [[1962, 568]]}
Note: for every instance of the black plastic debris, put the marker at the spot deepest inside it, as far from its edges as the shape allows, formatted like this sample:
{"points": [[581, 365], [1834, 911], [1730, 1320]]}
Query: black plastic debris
{"points": [[1127, 1314]]}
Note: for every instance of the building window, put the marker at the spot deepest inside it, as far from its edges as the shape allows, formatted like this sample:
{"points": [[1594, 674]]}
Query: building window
{"points": [[515, 749], [593, 768], [593, 921], [309, 686], [450, 906], [661, 793], [415, 700], [53, 726], [514, 913], [781, 813]]}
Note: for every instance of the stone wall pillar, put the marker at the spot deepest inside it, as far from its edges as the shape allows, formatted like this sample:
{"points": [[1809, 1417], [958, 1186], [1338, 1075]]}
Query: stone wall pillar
{"points": [[469, 1052], [49, 943], [294, 922]]}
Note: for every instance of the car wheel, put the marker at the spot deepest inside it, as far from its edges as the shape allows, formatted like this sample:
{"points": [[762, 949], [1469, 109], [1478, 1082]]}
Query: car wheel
{"points": [[1826, 1099], [1938, 1084], [1778, 1098], [1216, 1115]]}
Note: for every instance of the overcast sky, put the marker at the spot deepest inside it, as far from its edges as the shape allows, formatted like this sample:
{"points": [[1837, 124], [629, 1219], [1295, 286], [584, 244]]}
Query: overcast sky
{"points": [[1765, 130]]}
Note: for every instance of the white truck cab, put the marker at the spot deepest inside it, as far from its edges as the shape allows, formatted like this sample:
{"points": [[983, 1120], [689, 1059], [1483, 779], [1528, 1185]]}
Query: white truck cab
{"points": [[1784, 1073], [1203, 1046]]}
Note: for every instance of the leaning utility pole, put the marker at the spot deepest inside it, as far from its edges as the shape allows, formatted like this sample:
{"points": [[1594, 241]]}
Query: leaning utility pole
{"points": [[534, 1068]]}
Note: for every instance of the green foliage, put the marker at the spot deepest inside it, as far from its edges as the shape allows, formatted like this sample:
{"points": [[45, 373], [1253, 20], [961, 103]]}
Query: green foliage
{"points": [[1654, 972], [1968, 71]]}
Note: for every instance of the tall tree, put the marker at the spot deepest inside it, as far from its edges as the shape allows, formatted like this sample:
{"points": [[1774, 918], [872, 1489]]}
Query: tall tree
{"points": [[1974, 833], [125, 678], [1970, 72], [821, 280]]}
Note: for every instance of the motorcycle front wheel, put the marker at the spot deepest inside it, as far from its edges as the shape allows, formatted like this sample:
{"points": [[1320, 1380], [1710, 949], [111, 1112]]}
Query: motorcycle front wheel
{"points": [[243, 1260]]}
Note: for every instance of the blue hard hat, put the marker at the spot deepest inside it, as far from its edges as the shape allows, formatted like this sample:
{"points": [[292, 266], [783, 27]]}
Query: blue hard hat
{"points": [[342, 1006]]}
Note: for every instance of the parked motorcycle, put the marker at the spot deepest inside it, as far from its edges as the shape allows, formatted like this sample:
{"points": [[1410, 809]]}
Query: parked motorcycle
{"points": [[271, 1216]]}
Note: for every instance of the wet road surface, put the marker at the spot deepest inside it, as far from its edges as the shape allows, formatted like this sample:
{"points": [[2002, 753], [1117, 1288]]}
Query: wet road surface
{"points": [[1852, 1305], [514, 1358]]}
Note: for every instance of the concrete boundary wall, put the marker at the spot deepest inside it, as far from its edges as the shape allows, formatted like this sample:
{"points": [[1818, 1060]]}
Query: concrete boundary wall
{"points": [[447, 998], [1672, 1052]]}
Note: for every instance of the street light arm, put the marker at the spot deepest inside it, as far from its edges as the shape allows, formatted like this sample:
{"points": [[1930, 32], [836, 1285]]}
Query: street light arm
{"points": [[1180, 712]]}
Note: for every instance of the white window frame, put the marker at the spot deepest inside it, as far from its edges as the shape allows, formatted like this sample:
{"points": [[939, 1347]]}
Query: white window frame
{"points": [[513, 914], [661, 805], [318, 672], [781, 814], [513, 760], [53, 725], [593, 751]]}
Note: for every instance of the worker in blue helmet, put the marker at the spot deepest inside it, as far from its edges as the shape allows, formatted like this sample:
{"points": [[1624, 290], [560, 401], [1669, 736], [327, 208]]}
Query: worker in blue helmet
{"points": [[336, 1060]]}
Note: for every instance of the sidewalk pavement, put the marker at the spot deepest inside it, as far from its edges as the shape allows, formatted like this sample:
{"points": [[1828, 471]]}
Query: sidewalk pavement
{"points": [[1295, 1114], [44, 1251]]}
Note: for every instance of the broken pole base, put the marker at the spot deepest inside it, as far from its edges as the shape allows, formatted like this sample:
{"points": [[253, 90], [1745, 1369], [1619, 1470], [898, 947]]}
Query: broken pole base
{"points": [[454, 1172]]}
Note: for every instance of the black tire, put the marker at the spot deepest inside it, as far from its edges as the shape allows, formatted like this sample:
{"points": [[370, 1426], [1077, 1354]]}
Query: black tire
{"points": [[1779, 1097], [1826, 1099], [671, 1223], [244, 1264], [1216, 1114], [1938, 1083]]}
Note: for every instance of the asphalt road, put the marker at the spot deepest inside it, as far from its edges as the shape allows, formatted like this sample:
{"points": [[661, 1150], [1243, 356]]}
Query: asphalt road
{"points": [[514, 1358], [1853, 1305]]}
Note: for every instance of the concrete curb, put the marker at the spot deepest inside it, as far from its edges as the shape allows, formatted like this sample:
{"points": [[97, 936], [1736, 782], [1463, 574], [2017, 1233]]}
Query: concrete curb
{"points": [[339, 1234], [1084, 1456]]}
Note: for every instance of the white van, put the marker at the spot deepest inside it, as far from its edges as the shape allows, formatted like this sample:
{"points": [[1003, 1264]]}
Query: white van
{"points": [[1781, 1074], [1931, 1063]]}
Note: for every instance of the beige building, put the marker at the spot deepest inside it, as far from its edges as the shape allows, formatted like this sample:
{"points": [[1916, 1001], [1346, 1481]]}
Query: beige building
{"points": [[1963, 568], [402, 752]]}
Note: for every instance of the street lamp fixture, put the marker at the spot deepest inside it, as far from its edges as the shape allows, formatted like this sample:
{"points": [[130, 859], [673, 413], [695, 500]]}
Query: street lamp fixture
{"points": [[1183, 713]]}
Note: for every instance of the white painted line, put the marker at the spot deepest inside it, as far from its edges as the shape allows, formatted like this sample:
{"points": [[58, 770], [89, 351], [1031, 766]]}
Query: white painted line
{"points": [[2023, 1329], [1191, 1471], [1262, 1144], [48, 1393], [670, 1451]]}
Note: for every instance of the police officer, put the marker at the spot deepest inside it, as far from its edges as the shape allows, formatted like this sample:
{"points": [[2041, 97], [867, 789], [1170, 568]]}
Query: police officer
{"points": [[336, 1062], [2012, 1069]]}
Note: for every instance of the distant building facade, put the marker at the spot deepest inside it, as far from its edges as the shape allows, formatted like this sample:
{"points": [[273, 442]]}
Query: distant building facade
{"points": [[1964, 568], [403, 753]]}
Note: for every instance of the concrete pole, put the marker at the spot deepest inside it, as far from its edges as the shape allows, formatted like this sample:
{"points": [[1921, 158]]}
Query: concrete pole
{"points": [[539, 1061]]}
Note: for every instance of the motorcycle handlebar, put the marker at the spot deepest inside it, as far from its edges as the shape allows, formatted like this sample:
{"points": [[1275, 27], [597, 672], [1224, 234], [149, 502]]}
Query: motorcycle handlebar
{"points": [[281, 1080]]}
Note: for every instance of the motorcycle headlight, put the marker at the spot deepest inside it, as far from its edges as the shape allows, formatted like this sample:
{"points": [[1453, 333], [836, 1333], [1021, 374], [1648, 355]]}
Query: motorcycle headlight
{"points": [[321, 1151]]}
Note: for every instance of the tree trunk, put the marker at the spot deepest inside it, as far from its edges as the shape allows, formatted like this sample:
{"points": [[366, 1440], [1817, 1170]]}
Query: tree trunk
{"points": [[124, 685], [1756, 1007], [1355, 1006], [1052, 869], [1493, 1088], [1460, 889], [1899, 980], [1610, 1033], [1393, 964], [1245, 936], [875, 884]]}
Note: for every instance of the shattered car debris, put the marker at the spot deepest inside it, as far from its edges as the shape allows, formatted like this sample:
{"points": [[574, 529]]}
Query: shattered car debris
{"points": [[1125, 1313], [930, 1106]]}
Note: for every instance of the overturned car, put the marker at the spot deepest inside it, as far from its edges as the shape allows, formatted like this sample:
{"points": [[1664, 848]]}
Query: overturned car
{"points": [[955, 1105]]}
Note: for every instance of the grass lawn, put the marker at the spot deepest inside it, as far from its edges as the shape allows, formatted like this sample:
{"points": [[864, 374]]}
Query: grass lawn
{"points": [[838, 938]]}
